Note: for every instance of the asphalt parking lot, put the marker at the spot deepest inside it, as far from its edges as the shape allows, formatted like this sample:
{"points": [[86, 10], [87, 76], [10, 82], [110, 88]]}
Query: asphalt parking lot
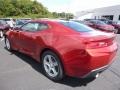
{"points": [[20, 72]]}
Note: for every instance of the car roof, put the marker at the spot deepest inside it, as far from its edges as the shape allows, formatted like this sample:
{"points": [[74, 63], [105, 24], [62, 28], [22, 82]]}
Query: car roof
{"points": [[48, 20]]}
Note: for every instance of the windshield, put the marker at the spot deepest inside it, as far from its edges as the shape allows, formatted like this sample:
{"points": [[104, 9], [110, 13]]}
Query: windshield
{"points": [[118, 22], [76, 26]]}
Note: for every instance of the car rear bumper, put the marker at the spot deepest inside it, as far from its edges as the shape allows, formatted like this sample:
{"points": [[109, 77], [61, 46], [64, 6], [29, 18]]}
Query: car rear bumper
{"points": [[95, 72], [95, 61]]}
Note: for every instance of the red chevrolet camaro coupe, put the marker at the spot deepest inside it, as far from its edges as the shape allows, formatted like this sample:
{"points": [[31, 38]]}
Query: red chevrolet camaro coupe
{"points": [[64, 47]]}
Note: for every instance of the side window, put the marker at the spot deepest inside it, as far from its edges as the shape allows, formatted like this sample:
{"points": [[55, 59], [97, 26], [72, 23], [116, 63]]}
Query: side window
{"points": [[42, 26], [30, 27], [34, 27]]}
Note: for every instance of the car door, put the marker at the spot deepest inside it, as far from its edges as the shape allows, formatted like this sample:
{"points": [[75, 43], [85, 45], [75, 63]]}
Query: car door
{"points": [[28, 37], [15, 36]]}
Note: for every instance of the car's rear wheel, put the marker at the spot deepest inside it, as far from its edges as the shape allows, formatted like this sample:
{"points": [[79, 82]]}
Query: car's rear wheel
{"points": [[7, 44], [1, 34], [52, 66]]}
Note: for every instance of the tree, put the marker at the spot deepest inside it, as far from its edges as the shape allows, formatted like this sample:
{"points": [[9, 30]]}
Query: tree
{"points": [[63, 15], [23, 8]]}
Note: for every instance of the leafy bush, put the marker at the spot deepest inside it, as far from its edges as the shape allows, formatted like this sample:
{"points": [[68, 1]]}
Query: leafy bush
{"points": [[27, 8]]}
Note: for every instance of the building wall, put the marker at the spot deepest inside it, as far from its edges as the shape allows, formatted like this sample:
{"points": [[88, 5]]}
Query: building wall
{"points": [[113, 10], [106, 11], [99, 15]]}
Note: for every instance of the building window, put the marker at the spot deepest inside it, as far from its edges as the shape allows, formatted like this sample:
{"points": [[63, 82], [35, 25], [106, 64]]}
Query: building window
{"points": [[119, 17], [95, 17], [110, 17]]}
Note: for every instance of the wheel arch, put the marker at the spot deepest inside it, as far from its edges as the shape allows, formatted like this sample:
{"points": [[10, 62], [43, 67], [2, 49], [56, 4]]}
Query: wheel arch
{"points": [[56, 52]]}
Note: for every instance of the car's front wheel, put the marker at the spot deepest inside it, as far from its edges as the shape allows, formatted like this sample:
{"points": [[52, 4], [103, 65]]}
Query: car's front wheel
{"points": [[7, 44], [52, 66]]}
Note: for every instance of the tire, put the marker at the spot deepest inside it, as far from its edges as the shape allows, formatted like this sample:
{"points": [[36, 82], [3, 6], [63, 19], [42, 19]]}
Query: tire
{"points": [[1, 34], [52, 66], [7, 44]]}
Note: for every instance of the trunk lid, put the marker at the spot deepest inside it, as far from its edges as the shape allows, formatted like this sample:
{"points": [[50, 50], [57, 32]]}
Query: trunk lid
{"points": [[97, 39]]}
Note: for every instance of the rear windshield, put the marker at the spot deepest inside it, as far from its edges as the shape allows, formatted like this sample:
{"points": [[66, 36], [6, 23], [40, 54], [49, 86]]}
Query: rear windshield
{"points": [[76, 26], [98, 22]]}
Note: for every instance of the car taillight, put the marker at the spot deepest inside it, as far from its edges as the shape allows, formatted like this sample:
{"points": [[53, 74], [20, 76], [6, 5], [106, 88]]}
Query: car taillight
{"points": [[98, 44], [99, 41]]}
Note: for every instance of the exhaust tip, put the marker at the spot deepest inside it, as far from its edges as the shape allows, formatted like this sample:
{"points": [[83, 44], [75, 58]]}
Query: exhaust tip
{"points": [[97, 75]]}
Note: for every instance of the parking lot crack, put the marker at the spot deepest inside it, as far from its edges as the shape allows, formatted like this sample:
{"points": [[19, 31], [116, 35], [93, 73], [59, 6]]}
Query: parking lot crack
{"points": [[114, 72]]}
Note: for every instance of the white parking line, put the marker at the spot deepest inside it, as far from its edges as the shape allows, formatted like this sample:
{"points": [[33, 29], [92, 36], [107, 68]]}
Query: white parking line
{"points": [[1, 33], [2, 39]]}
